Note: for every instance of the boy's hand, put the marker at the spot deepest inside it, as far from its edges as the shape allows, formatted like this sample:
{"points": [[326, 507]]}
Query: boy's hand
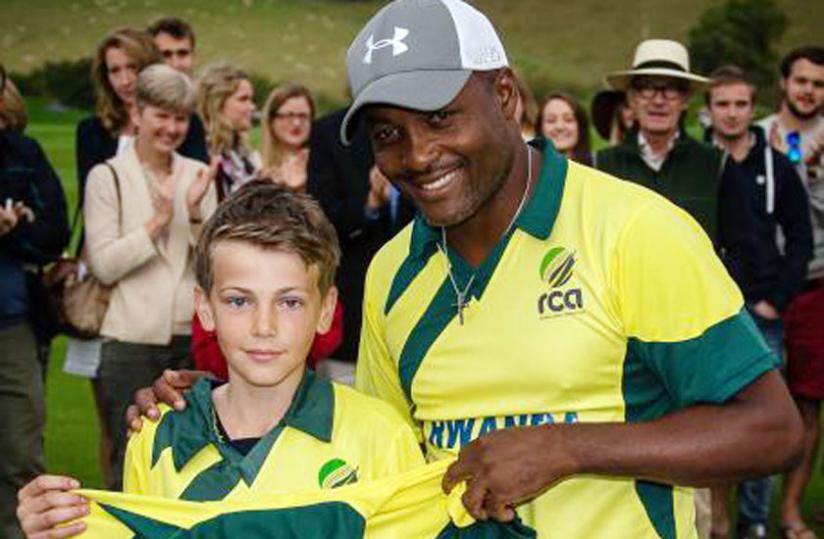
{"points": [[168, 389], [46, 503]]}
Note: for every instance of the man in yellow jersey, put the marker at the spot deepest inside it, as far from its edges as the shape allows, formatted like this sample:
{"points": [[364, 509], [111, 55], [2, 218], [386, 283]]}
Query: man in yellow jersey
{"points": [[533, 292], [570, 336]]}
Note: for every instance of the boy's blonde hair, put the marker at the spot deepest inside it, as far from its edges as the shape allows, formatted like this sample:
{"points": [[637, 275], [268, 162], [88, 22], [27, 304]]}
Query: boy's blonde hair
{"points": [[165, 87], [271, 217]]}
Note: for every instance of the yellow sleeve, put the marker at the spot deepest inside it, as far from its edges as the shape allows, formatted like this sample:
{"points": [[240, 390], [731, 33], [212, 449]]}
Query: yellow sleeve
{"points": [[683, 316], [137, 462], [377, 371], [401, 454]]}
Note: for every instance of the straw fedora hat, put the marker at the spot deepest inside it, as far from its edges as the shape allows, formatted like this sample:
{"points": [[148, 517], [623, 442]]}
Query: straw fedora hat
{"points": [[661, 57]]}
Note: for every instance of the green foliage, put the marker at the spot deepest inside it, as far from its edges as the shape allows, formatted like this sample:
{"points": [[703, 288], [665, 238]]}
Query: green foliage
{"points": [[67, 82], [262, 85], [740, 32]]}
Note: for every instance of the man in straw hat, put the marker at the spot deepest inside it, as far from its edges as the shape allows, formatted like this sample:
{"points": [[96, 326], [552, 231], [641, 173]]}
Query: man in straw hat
{"points": [[570, 338], [660, 155]]}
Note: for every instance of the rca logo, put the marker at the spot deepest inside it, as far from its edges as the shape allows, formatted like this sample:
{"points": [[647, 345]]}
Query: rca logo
{"points": [[558, 301], [556, 270]]}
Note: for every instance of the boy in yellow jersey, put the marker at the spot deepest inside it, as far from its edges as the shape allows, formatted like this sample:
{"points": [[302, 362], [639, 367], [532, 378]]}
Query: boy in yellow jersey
{"points": [[265, 268]]}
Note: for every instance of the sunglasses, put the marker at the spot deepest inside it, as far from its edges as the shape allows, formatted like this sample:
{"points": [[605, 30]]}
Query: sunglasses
{"points": [[793, 140]]}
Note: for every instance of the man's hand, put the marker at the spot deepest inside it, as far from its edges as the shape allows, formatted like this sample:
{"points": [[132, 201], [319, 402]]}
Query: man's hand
{"points": [[509, 467], [169, 389], [765, 310], [46, 503]]}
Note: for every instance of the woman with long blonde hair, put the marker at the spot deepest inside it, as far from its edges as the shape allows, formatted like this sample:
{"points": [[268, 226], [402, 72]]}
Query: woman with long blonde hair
{"points": [[119, 57], [225, 102], [287, 124]]}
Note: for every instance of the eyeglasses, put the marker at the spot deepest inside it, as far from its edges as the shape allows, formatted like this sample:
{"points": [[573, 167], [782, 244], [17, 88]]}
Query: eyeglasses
{"points": [[647, 88], [291, 116], [793, 139]]}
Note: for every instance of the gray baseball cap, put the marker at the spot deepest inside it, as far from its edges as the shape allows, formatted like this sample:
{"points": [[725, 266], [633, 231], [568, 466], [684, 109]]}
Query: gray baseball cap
{"points": [[419, 54]]}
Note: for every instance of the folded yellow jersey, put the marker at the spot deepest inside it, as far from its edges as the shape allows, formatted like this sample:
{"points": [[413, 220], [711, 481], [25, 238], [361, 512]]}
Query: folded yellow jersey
{"points": [[407, 505]]}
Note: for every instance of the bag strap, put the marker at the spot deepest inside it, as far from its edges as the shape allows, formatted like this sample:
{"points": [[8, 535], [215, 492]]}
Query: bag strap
{"points": [[78, 211], [116, 179]]}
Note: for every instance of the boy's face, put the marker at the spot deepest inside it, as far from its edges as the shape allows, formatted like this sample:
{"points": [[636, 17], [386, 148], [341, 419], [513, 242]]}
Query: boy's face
{"points": [[265, 307]]}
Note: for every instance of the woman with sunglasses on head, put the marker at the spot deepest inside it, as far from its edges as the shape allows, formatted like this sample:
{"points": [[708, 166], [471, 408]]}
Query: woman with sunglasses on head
{"points": [[225, 102], [288, 116]]}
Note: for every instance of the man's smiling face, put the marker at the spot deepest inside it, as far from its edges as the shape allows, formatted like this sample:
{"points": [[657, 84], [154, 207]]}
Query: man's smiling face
{"points": [[449, 162]]}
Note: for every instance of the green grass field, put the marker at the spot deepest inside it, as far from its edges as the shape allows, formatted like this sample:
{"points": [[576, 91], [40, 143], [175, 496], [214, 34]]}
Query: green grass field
{"points": [[554, 43]]}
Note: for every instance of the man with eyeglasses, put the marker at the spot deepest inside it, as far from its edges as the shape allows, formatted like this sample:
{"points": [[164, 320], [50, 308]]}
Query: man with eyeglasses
{"points": [[797, 130], [659, 154]]}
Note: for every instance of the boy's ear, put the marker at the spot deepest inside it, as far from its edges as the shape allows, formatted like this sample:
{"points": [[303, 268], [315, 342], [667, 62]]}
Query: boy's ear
{"points": [[327, 310], [204, 309]]}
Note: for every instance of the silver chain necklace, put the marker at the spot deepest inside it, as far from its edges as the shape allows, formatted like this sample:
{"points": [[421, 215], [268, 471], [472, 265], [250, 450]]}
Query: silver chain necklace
{"points": [[461, 300]]}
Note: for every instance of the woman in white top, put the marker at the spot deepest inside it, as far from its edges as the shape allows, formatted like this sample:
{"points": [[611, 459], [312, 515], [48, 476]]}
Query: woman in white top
{"points": [[225, 102], [144, 209], [287, 124]]}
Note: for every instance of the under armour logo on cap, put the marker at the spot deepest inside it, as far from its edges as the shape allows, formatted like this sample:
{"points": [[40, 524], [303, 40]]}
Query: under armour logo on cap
{"points": [[446, 40], [398, 46]]}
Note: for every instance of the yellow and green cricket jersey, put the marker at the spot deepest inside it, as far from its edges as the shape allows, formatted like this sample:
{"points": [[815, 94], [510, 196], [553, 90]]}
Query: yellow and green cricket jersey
{"points": [[407, 505], [605, 303], [330, 436]]}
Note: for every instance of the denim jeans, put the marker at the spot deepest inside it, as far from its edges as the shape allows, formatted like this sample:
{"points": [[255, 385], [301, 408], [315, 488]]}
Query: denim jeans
{"points": [[754, 495]]}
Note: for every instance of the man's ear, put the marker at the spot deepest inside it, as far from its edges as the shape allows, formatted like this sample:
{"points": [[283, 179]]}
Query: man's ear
{"points": [[506, 88], [204, 309], [327, 310]]}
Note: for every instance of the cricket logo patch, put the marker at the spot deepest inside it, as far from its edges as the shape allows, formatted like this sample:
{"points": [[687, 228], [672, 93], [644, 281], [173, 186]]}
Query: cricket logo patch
{"points": [[336, 473], [556, 270]]}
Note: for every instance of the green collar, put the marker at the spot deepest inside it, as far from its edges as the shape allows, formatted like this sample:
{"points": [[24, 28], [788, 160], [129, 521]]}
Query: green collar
{"points": [[538, 216], [188, 432]]}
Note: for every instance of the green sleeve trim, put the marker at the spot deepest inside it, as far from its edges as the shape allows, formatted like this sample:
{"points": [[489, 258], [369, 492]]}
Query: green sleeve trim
{"points": [[710, 368]]}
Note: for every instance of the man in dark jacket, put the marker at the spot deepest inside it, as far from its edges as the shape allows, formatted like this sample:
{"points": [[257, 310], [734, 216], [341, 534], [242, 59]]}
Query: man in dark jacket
{"points": [[364, 208], [658, 153], [33, 232], [771, 275]]}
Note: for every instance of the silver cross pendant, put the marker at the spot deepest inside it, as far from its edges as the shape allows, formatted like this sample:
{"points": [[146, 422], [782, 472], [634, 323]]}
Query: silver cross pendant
{"points": [[460, 304]]}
